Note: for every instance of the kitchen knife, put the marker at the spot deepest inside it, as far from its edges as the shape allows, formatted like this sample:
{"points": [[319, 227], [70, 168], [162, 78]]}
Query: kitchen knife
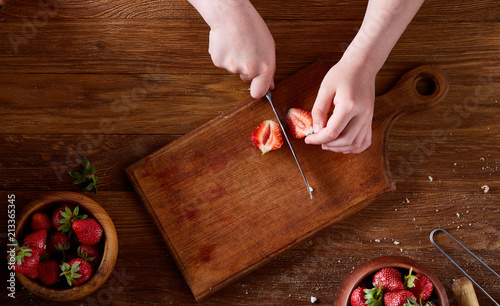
{"points": [[268, 96]]}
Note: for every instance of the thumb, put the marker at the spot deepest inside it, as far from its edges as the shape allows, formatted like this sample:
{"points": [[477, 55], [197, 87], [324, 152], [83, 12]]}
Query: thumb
{"points": [[261, 84]]}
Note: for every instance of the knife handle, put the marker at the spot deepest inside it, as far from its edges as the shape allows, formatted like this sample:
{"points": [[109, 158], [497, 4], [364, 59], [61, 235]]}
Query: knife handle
{"points": [[464, 292]]}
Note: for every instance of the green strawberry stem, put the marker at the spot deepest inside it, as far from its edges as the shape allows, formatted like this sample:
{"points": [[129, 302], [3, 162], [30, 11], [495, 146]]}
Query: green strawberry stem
{"points": [[86, 178]]}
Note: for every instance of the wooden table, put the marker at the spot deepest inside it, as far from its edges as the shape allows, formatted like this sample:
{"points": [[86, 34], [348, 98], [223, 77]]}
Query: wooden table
{"points": [[116, 81]]}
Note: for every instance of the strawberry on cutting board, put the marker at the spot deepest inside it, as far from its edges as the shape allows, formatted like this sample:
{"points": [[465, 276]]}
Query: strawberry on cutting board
{"points": [[299, 122], [88, 230], [267, 136]]}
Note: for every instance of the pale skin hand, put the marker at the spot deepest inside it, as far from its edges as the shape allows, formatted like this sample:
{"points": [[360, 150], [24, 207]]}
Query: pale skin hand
{"points": [[240, 42], [348, 87]]}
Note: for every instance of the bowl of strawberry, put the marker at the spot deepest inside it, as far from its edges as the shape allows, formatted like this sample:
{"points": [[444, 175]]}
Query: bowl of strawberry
{"points": [[391, 281], [66, 246]]}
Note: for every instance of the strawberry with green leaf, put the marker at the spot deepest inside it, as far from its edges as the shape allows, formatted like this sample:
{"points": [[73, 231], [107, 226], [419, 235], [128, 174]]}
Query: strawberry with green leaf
{"points": [[86, 178], [64, 216], [398, 298], [77, 271], [58, 242], [89, 253], [26, 260], [420, 285]]}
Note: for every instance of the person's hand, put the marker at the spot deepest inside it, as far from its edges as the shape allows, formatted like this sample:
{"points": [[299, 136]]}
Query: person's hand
{"points": [[350, 91], [240, 42], [247, 49]]}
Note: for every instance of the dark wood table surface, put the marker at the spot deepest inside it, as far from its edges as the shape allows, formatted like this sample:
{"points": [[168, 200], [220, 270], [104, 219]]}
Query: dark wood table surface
{"points": [[117, 80]]}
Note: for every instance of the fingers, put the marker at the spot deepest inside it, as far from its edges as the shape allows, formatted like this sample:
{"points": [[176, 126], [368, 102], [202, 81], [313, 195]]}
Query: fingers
{"points": [[352, 141], [261, 84], [334, 127], [322, 105]]}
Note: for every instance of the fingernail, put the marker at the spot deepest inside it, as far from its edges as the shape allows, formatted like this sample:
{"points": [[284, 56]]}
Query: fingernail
{"points": [[316, 128]]}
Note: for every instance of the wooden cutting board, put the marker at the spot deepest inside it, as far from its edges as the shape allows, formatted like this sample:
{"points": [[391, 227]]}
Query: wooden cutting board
{"points": [[224, 209]]}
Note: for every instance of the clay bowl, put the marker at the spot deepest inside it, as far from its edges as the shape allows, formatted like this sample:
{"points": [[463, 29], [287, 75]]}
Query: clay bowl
{"points": [[110, 251], [364, 272]]}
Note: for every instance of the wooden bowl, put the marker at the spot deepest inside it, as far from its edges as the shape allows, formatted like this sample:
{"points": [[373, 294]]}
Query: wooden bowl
{"points": [[364, 273], [110, 251]]}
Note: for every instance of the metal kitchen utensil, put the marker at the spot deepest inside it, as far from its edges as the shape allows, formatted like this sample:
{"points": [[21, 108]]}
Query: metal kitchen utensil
{"points": [[456, 265], [268, 96]]}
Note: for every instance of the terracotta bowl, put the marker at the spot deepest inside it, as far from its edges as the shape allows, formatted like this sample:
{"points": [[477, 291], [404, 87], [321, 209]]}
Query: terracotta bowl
{"points": [[110, 250], [364, 273]]}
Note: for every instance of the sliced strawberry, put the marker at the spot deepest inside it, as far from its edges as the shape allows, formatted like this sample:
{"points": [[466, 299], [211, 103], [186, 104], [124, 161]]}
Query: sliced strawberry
{"points": [[267, 136], [299, 122]]}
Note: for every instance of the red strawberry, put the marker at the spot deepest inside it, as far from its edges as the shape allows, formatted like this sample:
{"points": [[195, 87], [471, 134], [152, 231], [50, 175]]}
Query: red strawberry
{"points": [[87, 230], [45, 255], [40, 221], [300, 122], [26, 261], [77, 271], [267, 136], [389, 278], [358, 297], [64, 216], [420, 285], [36, 239], [58, 242], [363, 296], [89, 253], [48, 272], [398, 298]]}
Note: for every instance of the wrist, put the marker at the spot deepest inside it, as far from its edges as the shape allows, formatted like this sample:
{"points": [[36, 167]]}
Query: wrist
{"points": [[219, 13]]}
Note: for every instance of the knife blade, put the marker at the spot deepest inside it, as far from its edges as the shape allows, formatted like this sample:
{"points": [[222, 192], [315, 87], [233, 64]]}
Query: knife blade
{"points": [[269, 98]]}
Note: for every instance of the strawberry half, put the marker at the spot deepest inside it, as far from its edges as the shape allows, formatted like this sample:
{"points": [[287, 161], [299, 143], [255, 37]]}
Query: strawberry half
{"points": [[299, 122], [267, 136]]}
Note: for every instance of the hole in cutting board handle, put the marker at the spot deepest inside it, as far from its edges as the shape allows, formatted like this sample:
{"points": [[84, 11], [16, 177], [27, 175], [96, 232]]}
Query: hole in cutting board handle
{"points": [[425, 84]]}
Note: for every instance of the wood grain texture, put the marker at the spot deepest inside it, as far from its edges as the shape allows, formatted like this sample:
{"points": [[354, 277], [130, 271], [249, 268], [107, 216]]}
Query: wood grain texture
{"points": [[62, 81], [198, 179]]}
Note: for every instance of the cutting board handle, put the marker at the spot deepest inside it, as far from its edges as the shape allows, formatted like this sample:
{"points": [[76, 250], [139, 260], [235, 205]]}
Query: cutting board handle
{"points": [[418, 89]]}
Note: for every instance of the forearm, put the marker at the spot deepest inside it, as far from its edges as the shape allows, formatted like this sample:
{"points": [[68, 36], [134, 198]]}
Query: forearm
{"points": [[383, 24], [218, 12]]}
